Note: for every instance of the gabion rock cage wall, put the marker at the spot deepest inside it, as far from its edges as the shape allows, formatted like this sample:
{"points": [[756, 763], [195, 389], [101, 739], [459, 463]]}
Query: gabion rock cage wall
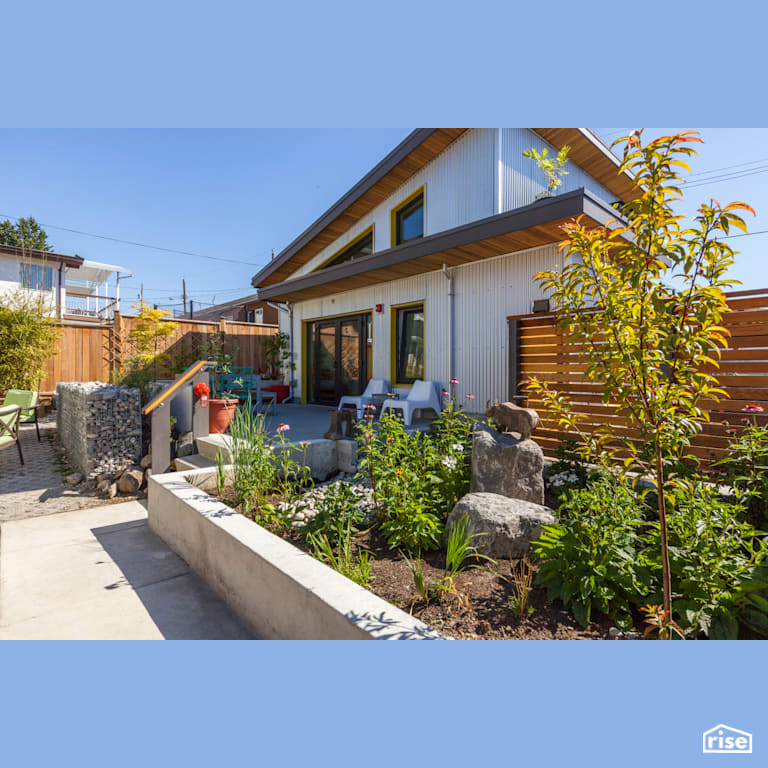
{"points": [[99, 425]]}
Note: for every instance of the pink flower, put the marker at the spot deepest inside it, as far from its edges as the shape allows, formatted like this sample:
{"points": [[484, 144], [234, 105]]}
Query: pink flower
{"points": [[305, 443], [390, 439], [470, 396], [283, 428], [369, 407], [454, 382], [753, 409], [444, 392]]}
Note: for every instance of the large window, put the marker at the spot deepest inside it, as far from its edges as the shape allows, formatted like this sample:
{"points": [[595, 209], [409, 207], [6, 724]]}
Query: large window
{"points": [[408, 219], [36, 276], [409, 343], [360, 246]]}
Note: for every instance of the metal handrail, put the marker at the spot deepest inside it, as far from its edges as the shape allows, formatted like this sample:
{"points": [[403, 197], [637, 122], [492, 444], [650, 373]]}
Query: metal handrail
{"points": [[171, 389]]}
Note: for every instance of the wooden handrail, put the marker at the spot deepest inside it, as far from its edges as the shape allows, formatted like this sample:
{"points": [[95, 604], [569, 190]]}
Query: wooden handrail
{"points": [[171, 389]]}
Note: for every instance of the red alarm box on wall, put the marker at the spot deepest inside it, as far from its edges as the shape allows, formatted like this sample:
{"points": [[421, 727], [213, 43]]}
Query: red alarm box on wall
{"points": [[379, 307]]}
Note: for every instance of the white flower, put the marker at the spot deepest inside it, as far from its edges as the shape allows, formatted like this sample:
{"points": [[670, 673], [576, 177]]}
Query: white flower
{"points": [[457, 447], [450, 462]]}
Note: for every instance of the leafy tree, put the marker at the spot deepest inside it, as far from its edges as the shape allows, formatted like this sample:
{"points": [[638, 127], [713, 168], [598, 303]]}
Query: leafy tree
{"points": [[148, 333], [552, 167], [28, 337], [25, 233], [651, 348]]}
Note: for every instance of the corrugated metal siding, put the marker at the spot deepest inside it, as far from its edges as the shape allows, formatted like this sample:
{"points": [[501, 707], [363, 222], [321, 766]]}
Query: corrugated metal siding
{"points": [[521, 180], [459, 189], [486, 293]]}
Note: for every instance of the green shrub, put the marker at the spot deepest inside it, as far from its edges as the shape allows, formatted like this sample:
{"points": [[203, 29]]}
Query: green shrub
{"points": [[593, 558], [715, 559], [27, 340], [412, 527], [746, 469], [416, 477]]}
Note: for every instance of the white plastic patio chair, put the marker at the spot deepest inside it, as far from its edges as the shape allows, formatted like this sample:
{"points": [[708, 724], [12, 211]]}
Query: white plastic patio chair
{"points": [[423, 395], [375, 387]]}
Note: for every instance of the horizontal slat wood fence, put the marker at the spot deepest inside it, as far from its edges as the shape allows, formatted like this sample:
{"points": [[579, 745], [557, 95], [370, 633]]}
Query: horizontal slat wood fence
{"points": [[541, 350], [94, 352]]}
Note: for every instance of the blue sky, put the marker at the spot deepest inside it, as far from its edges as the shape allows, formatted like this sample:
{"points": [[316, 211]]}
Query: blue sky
{"points": [[238, 194]]}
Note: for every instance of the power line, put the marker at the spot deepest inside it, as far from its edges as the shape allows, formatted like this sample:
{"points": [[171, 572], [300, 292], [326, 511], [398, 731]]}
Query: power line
{"points": [[727, 167], [140, 245], [726, 177], [745, 234]]}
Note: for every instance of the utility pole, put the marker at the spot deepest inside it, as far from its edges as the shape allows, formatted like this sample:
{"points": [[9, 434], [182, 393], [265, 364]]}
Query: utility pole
{"points": [[184, 293], [142, 293], [191, 310]]}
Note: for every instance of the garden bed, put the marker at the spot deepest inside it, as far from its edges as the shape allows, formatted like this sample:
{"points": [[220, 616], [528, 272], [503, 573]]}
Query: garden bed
{"points": [[486, 614]]}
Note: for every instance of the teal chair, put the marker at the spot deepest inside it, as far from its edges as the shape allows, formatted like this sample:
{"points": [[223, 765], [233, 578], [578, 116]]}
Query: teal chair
{"points": [[28, 402], [9, 428]]}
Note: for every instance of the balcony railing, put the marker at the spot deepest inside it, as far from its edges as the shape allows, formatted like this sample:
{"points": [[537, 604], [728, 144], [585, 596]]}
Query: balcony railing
{"points": [[89, 306]]}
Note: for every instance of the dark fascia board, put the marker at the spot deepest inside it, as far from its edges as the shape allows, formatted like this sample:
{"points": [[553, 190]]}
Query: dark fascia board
{"points": [[565, 206], [397, 155], [31, 253]]}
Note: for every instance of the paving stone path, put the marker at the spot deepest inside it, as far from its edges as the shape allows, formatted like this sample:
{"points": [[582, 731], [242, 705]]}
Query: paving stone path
{"points": [[38, 487]]}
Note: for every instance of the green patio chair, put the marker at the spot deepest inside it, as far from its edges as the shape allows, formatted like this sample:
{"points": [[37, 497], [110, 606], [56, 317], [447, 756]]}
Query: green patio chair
{"points": [[27, 401], [9, 428]]}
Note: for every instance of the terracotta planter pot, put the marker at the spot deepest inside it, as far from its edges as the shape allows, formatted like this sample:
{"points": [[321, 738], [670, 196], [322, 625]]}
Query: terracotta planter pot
{"points": [[281, 391], [220, 413]]}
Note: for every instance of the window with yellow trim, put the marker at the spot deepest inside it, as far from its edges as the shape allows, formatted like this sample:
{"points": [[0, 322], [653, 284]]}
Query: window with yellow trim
{"points": [[409, 343], [362, 246], [408, 219]]}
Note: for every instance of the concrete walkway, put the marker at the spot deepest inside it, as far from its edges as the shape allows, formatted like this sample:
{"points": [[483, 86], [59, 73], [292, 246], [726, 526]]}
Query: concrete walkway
{"points": [[100, 573]]}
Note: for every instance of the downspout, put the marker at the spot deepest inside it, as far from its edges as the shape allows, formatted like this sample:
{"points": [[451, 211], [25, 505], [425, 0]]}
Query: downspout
{"points": [[290, 347], [448, 274]]}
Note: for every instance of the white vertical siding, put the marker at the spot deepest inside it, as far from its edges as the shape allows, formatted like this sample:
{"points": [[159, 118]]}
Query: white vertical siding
{"points": [[486, 293], [522, 180], [459, 188]]}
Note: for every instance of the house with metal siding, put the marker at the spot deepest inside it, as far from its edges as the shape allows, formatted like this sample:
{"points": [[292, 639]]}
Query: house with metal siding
{"points": [[413, 273]]}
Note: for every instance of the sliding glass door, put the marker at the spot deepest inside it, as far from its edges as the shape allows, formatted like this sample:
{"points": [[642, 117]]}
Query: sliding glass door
{"points": [[338, 358]]}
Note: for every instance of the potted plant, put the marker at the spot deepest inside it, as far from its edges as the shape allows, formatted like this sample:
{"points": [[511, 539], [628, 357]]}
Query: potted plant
{"points": [[277, 354], [222, 402]]}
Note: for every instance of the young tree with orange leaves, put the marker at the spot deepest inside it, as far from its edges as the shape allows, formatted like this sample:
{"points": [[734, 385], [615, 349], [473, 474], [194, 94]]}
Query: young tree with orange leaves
{"points": [[652, 348]]}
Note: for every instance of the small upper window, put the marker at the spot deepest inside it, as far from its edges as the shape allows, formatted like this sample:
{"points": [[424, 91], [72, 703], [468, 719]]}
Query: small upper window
{"points": [[36, 276], [363, 246], [408, 219]]}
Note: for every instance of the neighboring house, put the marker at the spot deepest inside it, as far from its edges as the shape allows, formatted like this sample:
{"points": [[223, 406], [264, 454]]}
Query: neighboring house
{"points": [[75, 288], [413, 273], [249, 309]]}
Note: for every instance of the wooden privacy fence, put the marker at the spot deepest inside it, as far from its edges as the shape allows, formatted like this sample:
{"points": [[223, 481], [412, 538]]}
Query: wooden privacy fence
{"points": [[94, 352], [538, 348]]}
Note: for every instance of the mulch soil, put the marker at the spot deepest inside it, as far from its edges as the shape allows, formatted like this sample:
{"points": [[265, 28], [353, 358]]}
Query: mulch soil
{"points": [[488, 617]]}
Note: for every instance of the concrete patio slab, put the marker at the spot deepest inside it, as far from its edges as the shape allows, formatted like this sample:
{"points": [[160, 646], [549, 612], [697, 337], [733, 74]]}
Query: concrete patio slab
{"points": [[101, 573]]}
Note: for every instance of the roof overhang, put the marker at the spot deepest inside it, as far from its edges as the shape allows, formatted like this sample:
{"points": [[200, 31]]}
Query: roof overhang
{"points": [[413, 153], [31, 253], [593, 156], [528, 227]]}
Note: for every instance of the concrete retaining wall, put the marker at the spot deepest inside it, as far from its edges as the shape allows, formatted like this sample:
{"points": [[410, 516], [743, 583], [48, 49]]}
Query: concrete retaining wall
{"points": [[282, 592]]}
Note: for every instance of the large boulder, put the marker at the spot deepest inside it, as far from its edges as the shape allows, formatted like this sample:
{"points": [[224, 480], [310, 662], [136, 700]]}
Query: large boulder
{"points": [[508, 525], [503, 464]]}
